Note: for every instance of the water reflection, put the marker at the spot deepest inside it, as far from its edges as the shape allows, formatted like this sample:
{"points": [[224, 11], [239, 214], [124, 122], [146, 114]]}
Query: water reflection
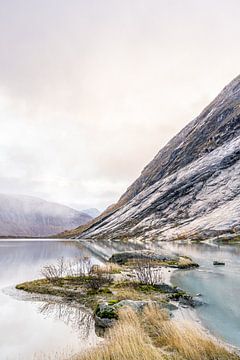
{"points": [[28, 327], [75, 316], [33, 325]]}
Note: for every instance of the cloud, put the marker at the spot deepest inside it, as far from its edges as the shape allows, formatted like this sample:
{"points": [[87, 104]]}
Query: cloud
{"points": [[90, 90]]}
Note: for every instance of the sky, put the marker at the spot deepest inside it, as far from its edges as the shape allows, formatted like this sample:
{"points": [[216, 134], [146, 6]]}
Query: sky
{"points": [[90, 90]]}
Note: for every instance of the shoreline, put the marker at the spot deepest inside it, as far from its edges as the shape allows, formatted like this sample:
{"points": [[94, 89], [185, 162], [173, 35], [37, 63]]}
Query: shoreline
{"points": [[186, 314], [167, 273]]}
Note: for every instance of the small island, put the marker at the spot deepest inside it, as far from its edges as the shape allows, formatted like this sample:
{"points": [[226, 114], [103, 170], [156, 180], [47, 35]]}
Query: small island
{"points": [[131, 298]]}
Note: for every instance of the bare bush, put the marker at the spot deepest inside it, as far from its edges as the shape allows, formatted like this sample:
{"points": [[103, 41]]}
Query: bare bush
{"points": [[147, 273], [61, 266], [77, 267], [98, 280], [50, 272], [83, 266]]}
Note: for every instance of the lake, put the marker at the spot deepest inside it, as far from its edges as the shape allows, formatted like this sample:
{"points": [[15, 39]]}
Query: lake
{"points": [[31, 328], [219, 286]]}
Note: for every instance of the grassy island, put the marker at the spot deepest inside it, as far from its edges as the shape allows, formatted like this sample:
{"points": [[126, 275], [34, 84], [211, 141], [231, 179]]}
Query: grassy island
{"points": [[130, 298]]}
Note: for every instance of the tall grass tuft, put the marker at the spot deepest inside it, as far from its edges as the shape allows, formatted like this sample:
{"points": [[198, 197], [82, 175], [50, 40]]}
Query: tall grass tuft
{"points": [[153, 336], [126, 341], [182, 338]]}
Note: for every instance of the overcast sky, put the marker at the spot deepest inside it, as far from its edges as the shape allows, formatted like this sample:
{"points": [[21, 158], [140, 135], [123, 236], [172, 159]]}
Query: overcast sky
{"points": [[91, 90]]}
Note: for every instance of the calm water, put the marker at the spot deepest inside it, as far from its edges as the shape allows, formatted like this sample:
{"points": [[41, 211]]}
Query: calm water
{"points": [[219, 286], [30, 327]]}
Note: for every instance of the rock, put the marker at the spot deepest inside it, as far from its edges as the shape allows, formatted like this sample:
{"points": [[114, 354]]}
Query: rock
{"points": [[218, 263], [106, 314], [122, 257], [168, 306], [104, 323], [106, 311], [165, 288], [189, 301], [136, 305], [185, 299]]}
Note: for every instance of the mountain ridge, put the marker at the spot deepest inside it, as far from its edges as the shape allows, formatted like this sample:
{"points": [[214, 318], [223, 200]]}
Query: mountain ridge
{"points": [[29, 216], [212, 139]]}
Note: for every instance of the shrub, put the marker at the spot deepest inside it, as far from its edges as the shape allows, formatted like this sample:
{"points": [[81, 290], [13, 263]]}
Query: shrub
{"points": [[97, 280], [147, 273], [78, 267]]}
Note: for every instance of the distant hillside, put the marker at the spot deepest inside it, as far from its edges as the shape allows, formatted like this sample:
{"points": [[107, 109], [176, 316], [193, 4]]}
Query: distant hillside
{"points": [[190, 189], [92, 212], [29, 216]]}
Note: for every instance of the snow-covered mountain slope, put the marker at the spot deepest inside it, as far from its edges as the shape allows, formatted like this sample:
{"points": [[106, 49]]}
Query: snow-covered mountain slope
{"points": [[29, 216], [192, 186]]}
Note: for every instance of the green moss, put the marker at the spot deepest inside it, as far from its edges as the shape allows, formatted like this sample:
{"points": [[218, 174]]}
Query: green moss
{"points": [[107, 313], [146, 288], [112, 301], [99, 291], [124, 284]]}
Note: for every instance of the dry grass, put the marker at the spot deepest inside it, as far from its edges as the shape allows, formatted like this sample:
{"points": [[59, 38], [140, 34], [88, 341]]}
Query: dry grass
{"points": [[129, 293], [185, 262], [184, 339], [126, 341], [153, 336], [109, 268]]}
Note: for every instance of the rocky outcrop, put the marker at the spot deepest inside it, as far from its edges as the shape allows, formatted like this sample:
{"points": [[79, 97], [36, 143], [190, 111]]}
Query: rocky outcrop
{"points": [[191, 188], [125, 256], [28, 216]]}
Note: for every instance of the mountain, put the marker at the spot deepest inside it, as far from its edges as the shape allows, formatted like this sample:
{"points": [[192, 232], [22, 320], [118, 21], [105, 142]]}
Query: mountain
{"points": [[29, 216], [92, 212], [190, 189]]}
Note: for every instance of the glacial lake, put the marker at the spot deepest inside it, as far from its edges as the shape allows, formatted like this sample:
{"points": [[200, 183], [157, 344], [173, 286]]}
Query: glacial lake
{"points": [[35, 329], [218, 285], [30, 328]]}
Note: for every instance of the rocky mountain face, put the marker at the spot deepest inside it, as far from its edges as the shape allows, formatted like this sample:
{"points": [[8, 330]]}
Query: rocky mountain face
{"points": [[191, 188], [29, 216]]}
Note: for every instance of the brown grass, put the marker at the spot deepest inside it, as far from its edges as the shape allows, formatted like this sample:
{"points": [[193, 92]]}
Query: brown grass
{"points": [[185, 262], [126, 341], [129, 293], [108, 268], [182, 338], [153, 336]]}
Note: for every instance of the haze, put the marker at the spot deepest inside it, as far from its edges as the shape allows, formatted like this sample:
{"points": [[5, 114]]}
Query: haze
{"points": [[91, 90]]}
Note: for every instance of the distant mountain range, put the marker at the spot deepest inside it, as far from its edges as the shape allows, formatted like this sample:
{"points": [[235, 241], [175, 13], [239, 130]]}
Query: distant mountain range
{"points": [[92, 212], [191, 189], [29, 216]]}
